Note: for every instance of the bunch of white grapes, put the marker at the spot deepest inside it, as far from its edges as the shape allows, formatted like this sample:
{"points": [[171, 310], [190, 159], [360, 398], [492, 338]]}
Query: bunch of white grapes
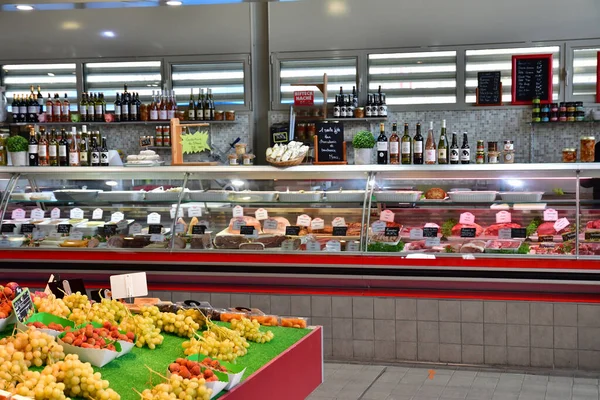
{"points": [[76, 300], [146, 332], [251, 330], [51, 305], [217, 346], [177, 387], [38, 348], [179, 324]]}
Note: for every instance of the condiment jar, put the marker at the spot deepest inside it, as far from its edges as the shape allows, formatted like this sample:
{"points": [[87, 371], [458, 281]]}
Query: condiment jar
{"points": [[492, 146], [233, 159], [480, 157], [219, 115], [569, 155], [480, 145], [588, 149], [248, 159], [240, 149], [230, 115], [359, 112], [493, 157], [579, 116], [509, 157]]}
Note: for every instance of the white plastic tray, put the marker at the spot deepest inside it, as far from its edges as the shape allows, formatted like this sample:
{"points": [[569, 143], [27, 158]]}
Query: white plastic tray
{"points": [[349, 196], [473, 197], [516, 197], [405, 196], [290, 197]]}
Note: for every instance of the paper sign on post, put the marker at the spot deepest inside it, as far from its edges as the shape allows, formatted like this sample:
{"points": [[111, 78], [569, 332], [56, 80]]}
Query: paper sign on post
{"points": [[317, 223], [238, 223], [76, 213], [38, 235], [505, 233], [416, 233], [387, 216], [76, 235], [550, 215], [157, 237], [503, 217], [18, 213], [179, 214], [333, 245], [467, 219], [352, 245], [313, 245], [261, 214], [37, 213], [270, 224], [303, 220], [432, 241], [135, 229], [153, 218], [338, 221], [117, 216], [561, 224], [378, 227], [128, 285], [194, 211], [238, 211], [97, 214], [55, 213], [122, 224]]}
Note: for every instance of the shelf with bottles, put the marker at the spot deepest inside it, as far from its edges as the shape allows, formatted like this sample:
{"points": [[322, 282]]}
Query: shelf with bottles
{"points": [[109, 123], [562, 123]]}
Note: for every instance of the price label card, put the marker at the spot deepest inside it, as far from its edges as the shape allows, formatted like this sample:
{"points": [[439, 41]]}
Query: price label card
{"points": [[4, 242], [468, 257], [518, 233], [122, 224], [110, 230], [378, 227], [387, 216], [238, 211], [261, 214], [155, 229], [76, 213], [432, 241], [153, 218], [199, 229], [38, 235], [567, 237], [248, 231], [468, 232], [352, 245], [55, 236], [287, 245], [340, 230], [467, 218], [313, 245], [392, 232], [505, 234], [430, 232], [18, 213], [135, 229], [8, 228], [416, 233], [179, 214], [561, 224], [550, 215], [238, 223], [592, 236], [27, 228], [97, 214], [76, 235], [117, 216], [55, 213], [194, 211], [317, 223], [338, 221], [179, 228], [546, 238], [333, 245], [37, 213], [22, 304], [63, 228], [157, 237], [303, 220], [503, 217], [270, 224], [292, 230], [205, 223]]}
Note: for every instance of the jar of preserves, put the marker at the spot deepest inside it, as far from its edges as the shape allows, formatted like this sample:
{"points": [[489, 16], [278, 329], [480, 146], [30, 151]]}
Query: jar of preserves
{"points": [[311, 131], [166, 136], [480, 157], [240, 149], [545, 117], [509, 157], [569, 155], [493, 157], [492, 146], [545, 108], [554, 107], [579, 116], [579, 106], [588, 148], [536, 117], [571, 107], [553, 116], [219, 115], [570, 116], [480, 145], [144, 112], [562, 107], [233, 159], [230, 115], [158, 136], [562, 116], [359, 112], [248, 159]]}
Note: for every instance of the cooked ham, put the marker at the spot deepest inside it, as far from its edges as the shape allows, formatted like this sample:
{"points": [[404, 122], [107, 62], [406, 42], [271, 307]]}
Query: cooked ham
{"points": [[492, 230], [456, 229], [249, 221], [281, 224]]}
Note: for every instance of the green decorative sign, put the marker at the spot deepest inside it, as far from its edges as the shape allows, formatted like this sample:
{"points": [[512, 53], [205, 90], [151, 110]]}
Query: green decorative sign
{"points": [[194, 142]]}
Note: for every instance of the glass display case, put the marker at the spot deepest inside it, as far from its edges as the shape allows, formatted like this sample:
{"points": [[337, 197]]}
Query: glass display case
{"points": [[500, 211]]}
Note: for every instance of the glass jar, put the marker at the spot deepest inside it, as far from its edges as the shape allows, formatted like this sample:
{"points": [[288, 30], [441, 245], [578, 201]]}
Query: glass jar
{"points": [[492, 146], [359, 112], [562, 116], [588, 149], [571, 107], [301, 132], [545, 108], [536, 117], [219, 115], [579, 116], [230, 115], [570, 116], [562, 107], [480, 157], [509, 157], [158, 136], [144, 112], [509, 145], [579, 106], [554, 107], [480, 145], [3, 152], [545, 117], [248, 159], [493, 157], [569, 155], [311, 131], [240, 149], [553, 116], [233, 159]]}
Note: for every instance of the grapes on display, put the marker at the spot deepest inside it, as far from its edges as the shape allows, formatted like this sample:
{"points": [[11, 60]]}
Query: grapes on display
{"points": [[251, 330]]}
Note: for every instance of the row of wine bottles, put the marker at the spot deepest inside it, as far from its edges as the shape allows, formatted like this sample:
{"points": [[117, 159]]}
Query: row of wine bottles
{"points": [[416, 150], [27, 108]]}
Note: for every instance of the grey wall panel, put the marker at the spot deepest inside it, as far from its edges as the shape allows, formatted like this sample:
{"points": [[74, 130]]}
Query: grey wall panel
{"points": [[157, 31], [359, 24]]}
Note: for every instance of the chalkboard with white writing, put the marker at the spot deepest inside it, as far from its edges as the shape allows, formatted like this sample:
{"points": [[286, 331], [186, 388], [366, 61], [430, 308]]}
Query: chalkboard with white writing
{"points": [[489, 88], [329, 143], [532, 78]]}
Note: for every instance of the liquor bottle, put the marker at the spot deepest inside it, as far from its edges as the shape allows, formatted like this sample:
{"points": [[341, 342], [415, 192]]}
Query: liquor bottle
{"points": [[154, 108], [200, 105], [82, 107], [98, 115], [84, 156], [95, 153], [382, 110], [349, 107], [406, 147], [103, 106], [342, 103], [418, 146], [53, 149], [211, 105], [382, 146], [91, 107], [375, 105], [104, 154], [133, 108], [124, 107], [171, 106], [206, 107], [337, 107], [118, 108], [191, 107], [40, 100], [368, 106], [454, 153], [57, 109], [162, 112], [430, 149], [354, 97], [33, 149], [32, 107], [73, 150], [465, 150], [15, 109], [394, 145], [43, 148], [443, 146], [63, 149]]}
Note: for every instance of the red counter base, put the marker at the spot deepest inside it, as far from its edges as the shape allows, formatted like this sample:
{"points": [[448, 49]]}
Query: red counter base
{"points": [[293, 375]]}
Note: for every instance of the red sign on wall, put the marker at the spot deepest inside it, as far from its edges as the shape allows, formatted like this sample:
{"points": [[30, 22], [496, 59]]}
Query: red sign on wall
{"points": [[304, 98]]}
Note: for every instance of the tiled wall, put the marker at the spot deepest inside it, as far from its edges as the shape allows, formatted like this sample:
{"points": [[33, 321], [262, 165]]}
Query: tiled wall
{"points": [[505, 333], [483, 124]]}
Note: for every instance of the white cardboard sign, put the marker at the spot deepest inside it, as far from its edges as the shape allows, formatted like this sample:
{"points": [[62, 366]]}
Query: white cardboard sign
{"points": [[386, 216], [317, 223], [97, 213], [18, 213], [303, 220], [37, 213], [238, 211], [55, 213], [467, 218], [338, 221], [128, 285], [503, 217], [261, 214], [550, 215]]}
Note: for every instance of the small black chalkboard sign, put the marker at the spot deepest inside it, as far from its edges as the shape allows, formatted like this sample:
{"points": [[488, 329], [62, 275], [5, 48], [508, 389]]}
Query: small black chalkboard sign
{"points": [[198, 229], [569, 236], [63, 228], [155, 229], [110, 229], [27, 228], [518, 233], [392, 232], [489, 88], [247, 230], [340, 230], [592, 236], [468, 232], [23, 305], [546, 238], [430, 232], [292, 230], [329, 143], [8, 228], [531, 78], [145, 141]]}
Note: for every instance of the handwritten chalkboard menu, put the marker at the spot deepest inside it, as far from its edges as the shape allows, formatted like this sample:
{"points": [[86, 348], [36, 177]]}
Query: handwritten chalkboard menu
{"points": [[329, 143], [23, 305], [292, 230], [155, 229], [468, 232], [489, 88], [531, 78]]}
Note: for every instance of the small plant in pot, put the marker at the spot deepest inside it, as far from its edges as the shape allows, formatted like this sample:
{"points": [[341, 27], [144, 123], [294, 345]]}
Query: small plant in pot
{"points": [[363, 143], [17, 147]]}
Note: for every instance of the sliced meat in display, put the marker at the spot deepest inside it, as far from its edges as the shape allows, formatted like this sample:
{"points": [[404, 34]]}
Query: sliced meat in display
{"points": [[492, 230], [456, 229]]}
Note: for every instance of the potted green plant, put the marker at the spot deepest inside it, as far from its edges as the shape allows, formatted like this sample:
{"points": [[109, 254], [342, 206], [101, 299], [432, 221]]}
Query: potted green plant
{"points": [[363, 143], [17, 147]]}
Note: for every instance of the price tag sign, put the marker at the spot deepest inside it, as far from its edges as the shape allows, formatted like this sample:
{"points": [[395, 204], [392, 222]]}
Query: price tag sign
{"points": [[63, 228], [55, 213], [313, 245], [416, 233], [430, 232], [238, 211], [18, 213], [567, 237], [55, 236], [122, 224], [468, 232], [248, 231], [110, 230], [518, 233], [38, 234], [303, 220], [287, 245], [205, 223], [505, 234], [338, 221], [378, 227], [270, 224], [8, 228], [561, 224], [238, 223], [76, 213], [22, 304], [179, 214], [153, 218], [467, 218], [180, 228], [157, 238], [199, 229], [546, 238], [432, 241], [317, 223], [97, 214], [135, 229], [550, 215], [292, 230], [194, 211], [333, 245], [76, 235], [261, 214], [387, 216], [37, 213], [392, 232], [340, 230], [117, 216], [352, 245], [27, 228], [503, 217], [155, 229]]}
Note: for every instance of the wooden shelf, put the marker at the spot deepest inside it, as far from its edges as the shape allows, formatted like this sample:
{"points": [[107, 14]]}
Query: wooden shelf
{"points": [[126, 123]]}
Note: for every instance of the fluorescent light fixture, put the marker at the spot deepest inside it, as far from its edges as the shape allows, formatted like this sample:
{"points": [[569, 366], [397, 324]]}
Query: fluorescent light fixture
{"points": [[108, 34], [111, 183], [24, 7], [127, 64], [174, 3], [23, 67], [71, 25]]}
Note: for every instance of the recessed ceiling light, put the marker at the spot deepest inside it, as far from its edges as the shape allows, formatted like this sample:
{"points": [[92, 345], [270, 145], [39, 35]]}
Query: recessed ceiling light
{"points": [[174, 3], [24, 7], [108, 34], [50, 74]]}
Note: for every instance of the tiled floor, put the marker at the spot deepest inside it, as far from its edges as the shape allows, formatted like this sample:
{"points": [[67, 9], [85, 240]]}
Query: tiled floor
{"points": [[371, 382]]}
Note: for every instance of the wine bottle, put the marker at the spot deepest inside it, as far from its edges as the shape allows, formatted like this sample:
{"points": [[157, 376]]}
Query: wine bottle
{"points": [[33, 148], [63, 149], [382, 146], [53, 149], [454, 151], [73, 150], [40, 100], [91, 108], [57, 109], [84, 156], [95, 153], [65, 115], [394, 145], [337, 107], [465, 150], [418, 146], [104, 154], [443, 146], [406, 147], [192, 107], [43, 148], [15, 109], [430, 150], [342, 103], [118, 108], [82, 107]]}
